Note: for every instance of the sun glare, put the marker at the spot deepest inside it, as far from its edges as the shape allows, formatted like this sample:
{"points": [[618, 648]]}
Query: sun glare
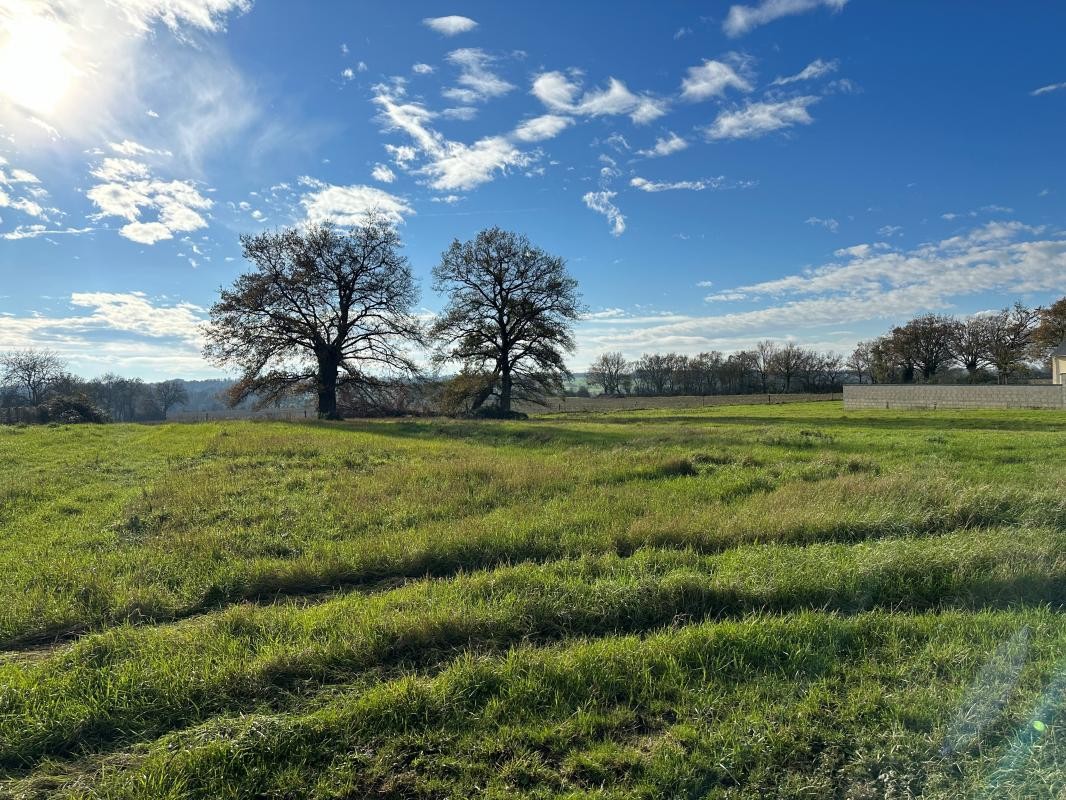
{"points": [[34, 70]]}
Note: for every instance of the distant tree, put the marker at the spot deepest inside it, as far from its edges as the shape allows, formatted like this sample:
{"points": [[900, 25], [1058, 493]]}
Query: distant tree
{"points": [[510, 313], [32, 372], [832, 368], [789, 362], [169, 394], [653, 373], [705, 370], [739, 371], [321, 308], [1011, 339], [608, 372], [888, 364], [766, 351], [860, 362], [1051, 332], [971, 344], [925, 343]]}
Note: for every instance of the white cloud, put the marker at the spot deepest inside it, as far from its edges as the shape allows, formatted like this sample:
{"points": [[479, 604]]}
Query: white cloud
{"points": [[696, 186], [476, 80], [450, 25], [712, 79], [154, 338], [1051, 87], [130, 148], [560, 94], [665, 146], [34, 231], [867, 284], [450, 165], [127, 189], [423, 69], [742, 19], [381, 172], [828, 223], [463, 167], [887, 231], [348, 74], [537, 129], [462, 113], [682, 32], [816, 69], [349, 205], [757, 119], [600, 202]]}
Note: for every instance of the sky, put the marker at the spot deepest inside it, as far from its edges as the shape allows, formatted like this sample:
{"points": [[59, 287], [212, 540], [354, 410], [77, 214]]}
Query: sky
{"points": [[713, 173]]}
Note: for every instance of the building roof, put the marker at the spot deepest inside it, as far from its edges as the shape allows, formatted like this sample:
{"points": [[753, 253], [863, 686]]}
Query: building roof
{"points": [[1060, 350]]}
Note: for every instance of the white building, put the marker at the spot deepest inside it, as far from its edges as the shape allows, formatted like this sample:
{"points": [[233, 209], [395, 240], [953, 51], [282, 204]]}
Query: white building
{"points": [[1058, 363]]}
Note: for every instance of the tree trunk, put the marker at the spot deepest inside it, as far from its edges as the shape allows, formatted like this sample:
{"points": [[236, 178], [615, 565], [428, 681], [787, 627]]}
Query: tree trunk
{"points": [[505, 389], [327, 388]]}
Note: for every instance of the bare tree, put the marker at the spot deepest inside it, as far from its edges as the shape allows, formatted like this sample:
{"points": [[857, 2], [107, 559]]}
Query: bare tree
{"points": [[169, 394], [971, 344], [653, 373], [832, 366], [789, 362], [609, 371], [861, 361], [509, 316], [1011, 339], [766, 351], [32, 372], [321, 309]]}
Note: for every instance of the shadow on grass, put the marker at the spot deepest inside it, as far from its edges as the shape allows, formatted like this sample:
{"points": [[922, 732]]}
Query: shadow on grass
{"points": [[935, 421]]}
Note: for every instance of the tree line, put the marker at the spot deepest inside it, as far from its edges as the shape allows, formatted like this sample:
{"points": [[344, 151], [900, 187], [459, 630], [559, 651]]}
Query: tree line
{"points": [[39, 382], [1007, 345], [768, 367], [332, 314]]}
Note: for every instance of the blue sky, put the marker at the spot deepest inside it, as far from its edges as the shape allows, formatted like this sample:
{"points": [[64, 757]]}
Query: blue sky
{"points": [[713, 173]]}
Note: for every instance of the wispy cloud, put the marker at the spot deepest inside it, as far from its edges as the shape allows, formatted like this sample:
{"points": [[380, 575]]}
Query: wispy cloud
{"points": [[720, 182], [758, 119], [546, 126], [349, 205], [712, 79], [868, 283], [1051, 87], [664, 146], [742, 19], [816, 69], [477, 81], [600, 202], [561, 95], [829, 223]]}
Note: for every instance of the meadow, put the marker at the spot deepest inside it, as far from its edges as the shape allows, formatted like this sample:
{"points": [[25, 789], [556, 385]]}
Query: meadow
{"points": [[724, 602]]}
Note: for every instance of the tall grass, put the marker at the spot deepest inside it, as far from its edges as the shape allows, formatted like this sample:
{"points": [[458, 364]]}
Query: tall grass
{"points": [[720, 602]]}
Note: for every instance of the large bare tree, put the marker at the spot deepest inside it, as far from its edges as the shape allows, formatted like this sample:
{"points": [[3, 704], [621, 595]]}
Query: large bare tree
{"points": [[31, 371], [322, 308], [509, 317]]}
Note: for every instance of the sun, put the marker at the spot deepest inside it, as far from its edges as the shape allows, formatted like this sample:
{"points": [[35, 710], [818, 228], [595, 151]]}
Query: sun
{"points": [[35, 72]]}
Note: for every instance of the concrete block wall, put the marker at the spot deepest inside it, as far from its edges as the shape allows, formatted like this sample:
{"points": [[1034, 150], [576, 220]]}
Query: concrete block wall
{"points": [[882, 396]]}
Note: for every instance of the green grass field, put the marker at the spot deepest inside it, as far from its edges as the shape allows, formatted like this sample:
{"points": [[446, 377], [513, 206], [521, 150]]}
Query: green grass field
{"points": [[783, 601]]}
